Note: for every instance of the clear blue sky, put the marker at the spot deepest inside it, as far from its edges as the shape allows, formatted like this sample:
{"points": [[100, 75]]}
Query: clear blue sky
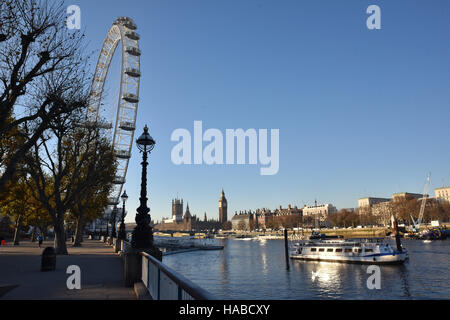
{"points": [[361, 112]]}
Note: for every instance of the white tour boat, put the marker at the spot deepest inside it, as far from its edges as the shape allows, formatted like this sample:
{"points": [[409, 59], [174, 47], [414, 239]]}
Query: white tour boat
{"points": [[370, 251]]}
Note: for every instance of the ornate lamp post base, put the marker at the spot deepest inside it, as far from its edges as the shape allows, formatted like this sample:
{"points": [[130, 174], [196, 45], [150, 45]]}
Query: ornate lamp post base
{"points": [[142, 237]]}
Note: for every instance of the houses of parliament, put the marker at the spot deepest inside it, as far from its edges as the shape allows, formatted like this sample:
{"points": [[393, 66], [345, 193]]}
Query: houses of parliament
{"points": [[189, 222]]}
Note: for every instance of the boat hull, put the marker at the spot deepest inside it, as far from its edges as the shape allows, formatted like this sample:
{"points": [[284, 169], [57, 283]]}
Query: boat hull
{"points": [[397, 258]]}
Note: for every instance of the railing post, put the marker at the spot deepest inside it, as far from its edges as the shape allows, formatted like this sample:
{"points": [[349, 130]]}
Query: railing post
{"points": [[179, 293], [159, 283], [148, 275]]}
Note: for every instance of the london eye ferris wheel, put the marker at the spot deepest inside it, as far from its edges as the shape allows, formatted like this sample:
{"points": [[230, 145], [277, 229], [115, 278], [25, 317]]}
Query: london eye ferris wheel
{"points": [[122, 31]]}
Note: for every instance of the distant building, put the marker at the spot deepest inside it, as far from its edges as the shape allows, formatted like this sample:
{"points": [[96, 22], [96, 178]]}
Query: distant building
{"points": [[280, 211], [241, 221], [265, 218], [223, 208], [187, 214], [177, 222], [321, 211], [369, 201], [442, 194], [382, 212], [177, 212], [406, 196], [188, 222], [381, 208]]}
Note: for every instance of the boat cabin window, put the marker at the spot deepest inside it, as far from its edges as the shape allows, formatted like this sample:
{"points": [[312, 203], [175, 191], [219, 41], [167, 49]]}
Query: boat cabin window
{"points": [[321, 250], [313, 249], [339, 250], [357, 250], [330, 250], [369, 250], [348, 250]]}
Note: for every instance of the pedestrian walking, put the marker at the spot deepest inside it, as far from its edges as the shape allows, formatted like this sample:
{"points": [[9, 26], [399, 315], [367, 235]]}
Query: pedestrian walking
{"points": [[40, 240]]}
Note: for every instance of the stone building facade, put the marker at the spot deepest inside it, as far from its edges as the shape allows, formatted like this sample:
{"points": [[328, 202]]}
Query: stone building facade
{"points": [[382, 208], [265, 218], [320, 212], [442, 194], [178, 222]]}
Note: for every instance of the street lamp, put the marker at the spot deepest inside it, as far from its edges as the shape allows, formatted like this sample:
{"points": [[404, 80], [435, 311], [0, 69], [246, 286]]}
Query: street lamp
{"points": [[122, 233], [142, 237], [113, 227]]}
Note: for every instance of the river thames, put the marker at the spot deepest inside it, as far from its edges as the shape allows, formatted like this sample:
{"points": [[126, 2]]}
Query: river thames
{"points": [[257, 270]]}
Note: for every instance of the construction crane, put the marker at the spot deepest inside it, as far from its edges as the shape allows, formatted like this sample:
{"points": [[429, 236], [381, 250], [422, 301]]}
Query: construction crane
{"points": [[417, 223]]}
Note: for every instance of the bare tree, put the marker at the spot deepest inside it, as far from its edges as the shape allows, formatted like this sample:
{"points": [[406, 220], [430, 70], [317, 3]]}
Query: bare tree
{"points": [[403, 208], [36, 50]]}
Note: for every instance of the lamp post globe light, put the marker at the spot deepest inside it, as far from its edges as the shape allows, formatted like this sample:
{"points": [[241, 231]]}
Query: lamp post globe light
{"points": [[142, 237], [122, 233]]}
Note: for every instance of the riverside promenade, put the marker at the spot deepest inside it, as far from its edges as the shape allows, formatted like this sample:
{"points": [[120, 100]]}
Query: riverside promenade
{"points": [[101, 273]]}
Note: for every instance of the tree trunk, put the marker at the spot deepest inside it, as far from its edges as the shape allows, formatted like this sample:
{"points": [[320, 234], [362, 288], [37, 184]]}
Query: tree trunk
{"points": [[60, 237], [16, 231], [33, 234], [79, 232]]}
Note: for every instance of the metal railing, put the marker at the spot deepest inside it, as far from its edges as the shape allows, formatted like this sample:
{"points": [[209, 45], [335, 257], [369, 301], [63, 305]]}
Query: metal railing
{"points": [[165, 284]]}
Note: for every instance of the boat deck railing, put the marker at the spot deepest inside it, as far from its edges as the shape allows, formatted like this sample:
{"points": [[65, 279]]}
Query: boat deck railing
{"points": [[341, 244]]}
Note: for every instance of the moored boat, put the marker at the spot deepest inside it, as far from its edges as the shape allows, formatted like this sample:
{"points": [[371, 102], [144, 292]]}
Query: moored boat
{"points": [[363, 251]]}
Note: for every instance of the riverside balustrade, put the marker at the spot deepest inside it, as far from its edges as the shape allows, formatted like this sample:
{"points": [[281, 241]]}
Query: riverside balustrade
{"points": [[163, 283]]}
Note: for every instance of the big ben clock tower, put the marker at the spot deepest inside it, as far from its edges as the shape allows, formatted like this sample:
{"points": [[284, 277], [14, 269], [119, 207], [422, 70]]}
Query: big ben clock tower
{"points": [[223, 208]]}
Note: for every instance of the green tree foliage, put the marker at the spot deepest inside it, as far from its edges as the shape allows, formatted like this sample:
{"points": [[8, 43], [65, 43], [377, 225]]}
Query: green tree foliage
{"points": [[19, 203]]}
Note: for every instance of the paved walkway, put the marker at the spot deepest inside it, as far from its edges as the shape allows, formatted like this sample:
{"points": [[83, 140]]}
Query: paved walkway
{"points": [[101, 273]]}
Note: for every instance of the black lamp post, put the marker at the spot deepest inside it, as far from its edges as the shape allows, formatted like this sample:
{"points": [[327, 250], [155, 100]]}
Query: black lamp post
{"points": [[142, 237], [114, 216], [122, 233]]}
